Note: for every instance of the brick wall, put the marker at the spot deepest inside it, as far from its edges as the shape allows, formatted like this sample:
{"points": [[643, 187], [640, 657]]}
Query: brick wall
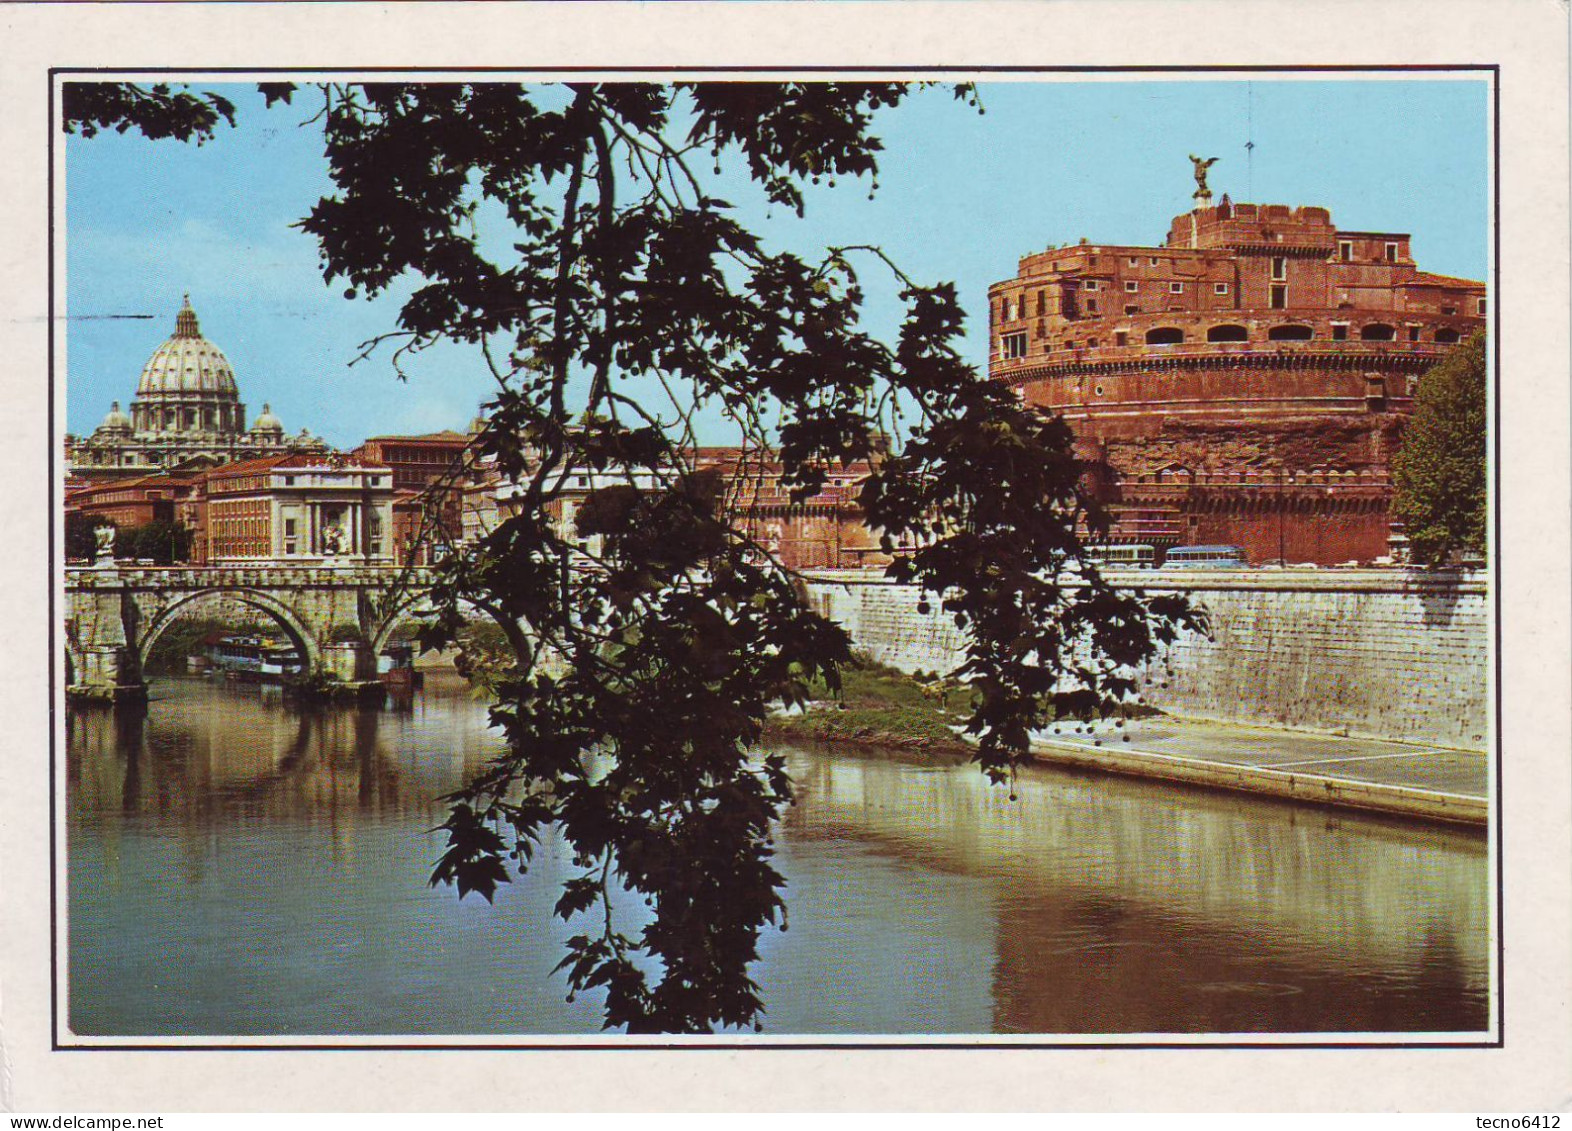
{"points": [[1391, 654]]}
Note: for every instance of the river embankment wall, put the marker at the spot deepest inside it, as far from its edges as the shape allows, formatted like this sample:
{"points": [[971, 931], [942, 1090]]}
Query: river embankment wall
{"points": [[1395, 654]]}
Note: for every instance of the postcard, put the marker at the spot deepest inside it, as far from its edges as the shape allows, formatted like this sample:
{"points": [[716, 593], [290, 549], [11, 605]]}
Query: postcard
{"points": [[663, 559]]}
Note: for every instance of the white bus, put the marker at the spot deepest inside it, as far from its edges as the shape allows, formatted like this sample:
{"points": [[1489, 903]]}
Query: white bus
{"points": [[1127, 556], [1205, 557]]}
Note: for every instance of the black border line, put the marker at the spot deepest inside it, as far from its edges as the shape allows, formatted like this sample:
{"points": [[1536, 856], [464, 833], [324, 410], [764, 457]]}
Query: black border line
{"points": [[981, 1041], [754, 68], [55, 627], [1493, 290]]}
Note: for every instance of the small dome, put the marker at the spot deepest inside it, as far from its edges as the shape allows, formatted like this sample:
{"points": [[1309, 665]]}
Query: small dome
{"points": [[115, 420], [268, 423], [188, 363]]}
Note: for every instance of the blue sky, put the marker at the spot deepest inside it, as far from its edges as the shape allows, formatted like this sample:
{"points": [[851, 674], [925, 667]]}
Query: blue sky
{"points": [[961, 197]]}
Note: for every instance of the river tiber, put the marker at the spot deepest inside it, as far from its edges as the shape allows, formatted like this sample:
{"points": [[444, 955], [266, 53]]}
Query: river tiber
{"points": [[1287, 837]]}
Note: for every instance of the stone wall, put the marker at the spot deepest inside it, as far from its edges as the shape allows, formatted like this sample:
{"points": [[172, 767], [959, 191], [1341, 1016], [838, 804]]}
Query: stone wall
{"points": [[1393, 654]]}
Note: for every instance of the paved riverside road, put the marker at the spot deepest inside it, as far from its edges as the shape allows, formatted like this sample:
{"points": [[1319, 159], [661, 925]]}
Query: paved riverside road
{"points": [[1362, 773]]}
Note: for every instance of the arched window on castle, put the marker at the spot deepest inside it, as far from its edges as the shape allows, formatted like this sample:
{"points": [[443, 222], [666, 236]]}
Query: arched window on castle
{"points": [[1164, 336], [1447, 335], [1228, 334], [1377, 332], [1293, 332]]}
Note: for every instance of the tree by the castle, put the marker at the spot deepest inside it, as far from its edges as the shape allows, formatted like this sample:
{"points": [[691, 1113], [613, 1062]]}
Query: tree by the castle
{"points": [[1440, 474], [577, 238]]}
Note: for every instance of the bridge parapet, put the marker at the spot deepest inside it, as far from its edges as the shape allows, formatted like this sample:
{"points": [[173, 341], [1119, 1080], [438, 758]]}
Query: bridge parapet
{"points": [[232, 577], [114, 616]]}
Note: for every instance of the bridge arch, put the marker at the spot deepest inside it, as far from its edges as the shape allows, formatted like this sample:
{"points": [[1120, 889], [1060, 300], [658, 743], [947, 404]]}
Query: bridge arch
{"points": [[405, 610], [282, 614]]}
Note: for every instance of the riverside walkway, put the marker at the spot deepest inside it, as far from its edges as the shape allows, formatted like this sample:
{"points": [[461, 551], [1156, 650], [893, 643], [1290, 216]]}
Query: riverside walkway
{"points": [[1362, 773]]}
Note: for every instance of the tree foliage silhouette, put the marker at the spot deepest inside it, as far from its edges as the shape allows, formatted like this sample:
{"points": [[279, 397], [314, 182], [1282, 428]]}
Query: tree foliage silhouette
{"points": [[576, 236], [1439, 474]]}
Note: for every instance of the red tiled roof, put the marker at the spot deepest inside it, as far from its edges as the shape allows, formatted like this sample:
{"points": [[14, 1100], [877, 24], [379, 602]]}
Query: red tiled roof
{"points": [[1426, 279], [310, 460], [447, 436], [132, 481], [247, 466]]}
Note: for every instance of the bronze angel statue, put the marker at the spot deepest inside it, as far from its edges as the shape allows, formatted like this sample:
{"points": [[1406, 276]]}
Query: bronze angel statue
{"points": [[1201, 191]]}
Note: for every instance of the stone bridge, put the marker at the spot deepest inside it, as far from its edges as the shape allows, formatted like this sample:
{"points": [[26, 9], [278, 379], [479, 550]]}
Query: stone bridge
{"points": [[337, 617]]}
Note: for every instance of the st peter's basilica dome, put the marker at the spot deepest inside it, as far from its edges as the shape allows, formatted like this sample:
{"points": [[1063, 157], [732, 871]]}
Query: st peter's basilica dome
{"points": [[188, 385]]}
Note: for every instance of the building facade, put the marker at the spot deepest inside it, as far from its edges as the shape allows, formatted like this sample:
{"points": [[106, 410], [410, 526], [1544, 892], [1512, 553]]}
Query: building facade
{"points": [[297, 509], [187, 409], [1245, 383], [824, 531], [135, 501], [428, 485]]}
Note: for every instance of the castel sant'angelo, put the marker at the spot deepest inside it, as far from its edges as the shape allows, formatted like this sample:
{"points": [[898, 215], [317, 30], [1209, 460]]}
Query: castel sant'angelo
{"points": [[1246, 383]]}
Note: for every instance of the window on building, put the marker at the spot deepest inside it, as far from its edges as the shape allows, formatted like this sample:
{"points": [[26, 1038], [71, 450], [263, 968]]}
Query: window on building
{"points": [[1152, 261], [1219, 288], [1134, 262], [1131, 286], [1479, 306], [1228, 334], [1092, 284], [1279, 296], [1377, 332], [1391, 253], [1176, 288], [1098, 390], [1012, 345], [1164, 336], [1042, 303], [1449, 310], [1289, 333], [1132, 310], [1279, 267], [1091, 306], [1340, 331], [1121, 338], [1345, 250], [1091, 343], [1447, 336], [1413, 333]]}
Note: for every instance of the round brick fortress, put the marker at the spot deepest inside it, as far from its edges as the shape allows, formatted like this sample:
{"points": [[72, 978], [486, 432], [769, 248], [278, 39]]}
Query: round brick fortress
{"points": [[1244, 384]]}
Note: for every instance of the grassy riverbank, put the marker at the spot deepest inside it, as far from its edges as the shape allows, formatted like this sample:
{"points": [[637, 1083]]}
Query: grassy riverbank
{"points": [[878, 707]]}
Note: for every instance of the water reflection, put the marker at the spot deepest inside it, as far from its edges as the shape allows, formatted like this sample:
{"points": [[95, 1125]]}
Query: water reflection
{"points": [[1124, 906], [238, 866]]}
